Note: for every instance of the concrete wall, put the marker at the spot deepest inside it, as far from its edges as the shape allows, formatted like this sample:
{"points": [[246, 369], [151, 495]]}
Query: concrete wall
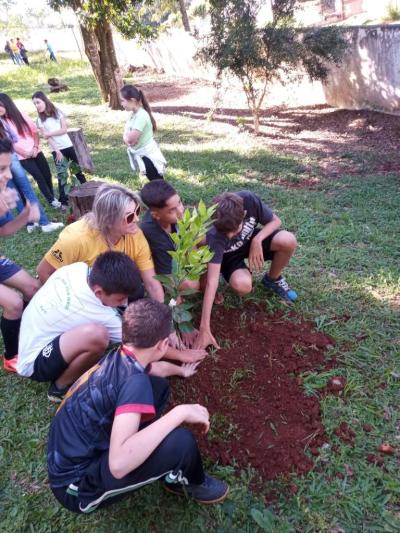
{"points": [[370, 75]]}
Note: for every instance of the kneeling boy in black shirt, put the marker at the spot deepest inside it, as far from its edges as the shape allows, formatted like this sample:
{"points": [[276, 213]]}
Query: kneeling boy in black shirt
{"points": [[236, 236], [101, 443]]}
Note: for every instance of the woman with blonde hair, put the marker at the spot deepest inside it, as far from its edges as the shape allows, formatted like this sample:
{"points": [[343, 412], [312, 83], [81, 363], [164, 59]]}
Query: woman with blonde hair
{"points": [[111, 225]]}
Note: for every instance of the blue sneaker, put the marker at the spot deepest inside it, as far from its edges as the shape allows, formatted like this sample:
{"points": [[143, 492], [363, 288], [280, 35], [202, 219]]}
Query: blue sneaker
{"points": [[280, 287], [212, 490]]}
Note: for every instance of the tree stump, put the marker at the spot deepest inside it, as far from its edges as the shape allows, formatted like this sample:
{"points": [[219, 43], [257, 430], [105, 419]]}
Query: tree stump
{"points": [[57, 85], [81, 148], [81, 198]]}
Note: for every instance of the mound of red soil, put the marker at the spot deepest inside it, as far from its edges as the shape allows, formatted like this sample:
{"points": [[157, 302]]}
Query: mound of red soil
{"points": [[260, 416]]}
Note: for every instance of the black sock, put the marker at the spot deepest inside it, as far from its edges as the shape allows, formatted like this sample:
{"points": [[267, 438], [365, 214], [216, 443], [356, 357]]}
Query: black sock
{"points": [[10, 331]]}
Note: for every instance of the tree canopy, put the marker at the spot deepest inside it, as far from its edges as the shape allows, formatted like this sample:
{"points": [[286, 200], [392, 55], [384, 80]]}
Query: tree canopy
{"points": [[258, 55]]}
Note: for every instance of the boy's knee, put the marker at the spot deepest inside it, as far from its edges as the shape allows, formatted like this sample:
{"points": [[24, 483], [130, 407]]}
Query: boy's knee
{"points": [[96, 336], [286, 241], [13, 307], [242, 286], [291, 241]]}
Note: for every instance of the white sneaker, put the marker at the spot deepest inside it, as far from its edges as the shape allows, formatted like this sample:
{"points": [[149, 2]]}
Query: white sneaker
{"points": [[32, 227], [56, 204], [51, 226]]}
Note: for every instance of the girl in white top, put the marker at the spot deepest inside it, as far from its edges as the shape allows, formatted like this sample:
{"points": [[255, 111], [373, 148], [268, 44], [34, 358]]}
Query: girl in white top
{"points": [[143, 151], [52, 125]]}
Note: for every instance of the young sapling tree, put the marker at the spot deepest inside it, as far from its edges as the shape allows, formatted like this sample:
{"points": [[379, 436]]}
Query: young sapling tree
{"points": [[189, 262]]}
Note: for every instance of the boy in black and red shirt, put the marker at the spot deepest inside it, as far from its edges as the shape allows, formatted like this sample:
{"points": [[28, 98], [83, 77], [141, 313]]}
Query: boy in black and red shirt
{"points": [[244, 228], [108, 437]]}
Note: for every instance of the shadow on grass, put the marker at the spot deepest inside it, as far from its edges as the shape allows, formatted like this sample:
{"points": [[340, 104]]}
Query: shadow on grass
{"points": [[206, 171]]}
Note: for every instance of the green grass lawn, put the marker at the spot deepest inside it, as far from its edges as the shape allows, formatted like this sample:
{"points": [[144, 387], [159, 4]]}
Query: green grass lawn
{"points": [[347, 265]]}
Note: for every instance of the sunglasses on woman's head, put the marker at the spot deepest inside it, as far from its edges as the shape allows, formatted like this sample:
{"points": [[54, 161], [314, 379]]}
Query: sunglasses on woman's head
{"points": [[130, 217]]}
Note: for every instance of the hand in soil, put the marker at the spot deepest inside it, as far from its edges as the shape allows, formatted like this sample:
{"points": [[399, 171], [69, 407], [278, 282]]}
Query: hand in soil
{"points": [[173, 340], [204, 339], [192, 356], [195, 414], [189, 338], [189, 369]]}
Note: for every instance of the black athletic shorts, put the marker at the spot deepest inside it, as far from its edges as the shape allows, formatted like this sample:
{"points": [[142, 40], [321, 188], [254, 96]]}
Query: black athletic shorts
{"points": [[235, 260], [49, 364]]}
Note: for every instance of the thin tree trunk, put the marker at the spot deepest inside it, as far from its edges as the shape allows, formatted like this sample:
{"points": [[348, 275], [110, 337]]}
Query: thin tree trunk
{"points": [[91, 45], [100, 50], [185, 18], [256, 117], [111, 73]]}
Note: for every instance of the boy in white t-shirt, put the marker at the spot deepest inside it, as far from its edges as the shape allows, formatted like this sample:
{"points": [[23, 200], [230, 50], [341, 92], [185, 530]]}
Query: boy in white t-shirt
{"points": [[71, 320], [52, 125]]}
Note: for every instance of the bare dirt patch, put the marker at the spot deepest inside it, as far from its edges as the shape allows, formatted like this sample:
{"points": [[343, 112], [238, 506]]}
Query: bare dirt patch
{"points": [[260, 416], [337, 141]]}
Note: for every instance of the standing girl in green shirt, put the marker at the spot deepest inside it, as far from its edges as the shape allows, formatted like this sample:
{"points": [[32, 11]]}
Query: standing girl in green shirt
{"points": [[144, 153]]}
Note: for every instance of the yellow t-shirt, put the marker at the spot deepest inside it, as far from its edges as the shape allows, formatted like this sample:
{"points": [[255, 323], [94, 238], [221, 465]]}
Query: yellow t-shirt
{"points": [[80, 242]]}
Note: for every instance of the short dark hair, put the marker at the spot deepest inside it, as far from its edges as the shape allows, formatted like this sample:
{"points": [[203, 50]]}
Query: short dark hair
{"points": [[115, 273], [229, 213], [156, 193], [146, 322], [6, 146]]}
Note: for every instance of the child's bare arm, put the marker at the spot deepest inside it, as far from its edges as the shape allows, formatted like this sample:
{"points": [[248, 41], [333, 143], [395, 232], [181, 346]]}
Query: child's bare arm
{"points": [[185, 356], [30, 213], [256, 256], [131, 137], [53, 148], [129, 448], [61, 131], [164, 369], [205, 337]]}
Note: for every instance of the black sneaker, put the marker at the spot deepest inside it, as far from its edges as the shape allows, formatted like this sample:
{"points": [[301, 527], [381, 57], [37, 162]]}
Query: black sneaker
{"points": [[212, 490], [54, 394]]}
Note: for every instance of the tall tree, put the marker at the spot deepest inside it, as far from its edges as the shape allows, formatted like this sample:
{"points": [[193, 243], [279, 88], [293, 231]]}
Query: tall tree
{"points": [[96, 18], [258, 56], [184, 15]]}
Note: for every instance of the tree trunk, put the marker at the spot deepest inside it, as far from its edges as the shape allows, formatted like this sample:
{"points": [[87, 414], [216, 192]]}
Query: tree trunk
{"points": [[100, 50], [81, 198], [111, 73], [256, 118], [81, 148], [91, 45], [185, 18]]}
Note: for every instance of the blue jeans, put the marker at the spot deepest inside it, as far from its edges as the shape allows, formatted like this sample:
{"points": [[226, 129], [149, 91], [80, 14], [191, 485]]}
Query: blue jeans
{"points": [[21, 183]]}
